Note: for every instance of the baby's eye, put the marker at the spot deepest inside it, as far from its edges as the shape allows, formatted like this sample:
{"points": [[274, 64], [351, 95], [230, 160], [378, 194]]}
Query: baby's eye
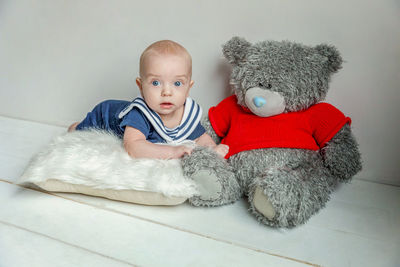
{"points": [[155, 83], [177, 83]]}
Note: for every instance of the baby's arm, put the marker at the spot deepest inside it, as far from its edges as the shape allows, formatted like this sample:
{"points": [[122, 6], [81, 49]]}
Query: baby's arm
{"points": [[137, 146], [206, 140]]}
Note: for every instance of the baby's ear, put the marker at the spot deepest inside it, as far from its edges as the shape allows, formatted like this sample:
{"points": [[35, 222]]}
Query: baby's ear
{"points": [[334, 60], [235, 50], [190, 85], [139, 84]]}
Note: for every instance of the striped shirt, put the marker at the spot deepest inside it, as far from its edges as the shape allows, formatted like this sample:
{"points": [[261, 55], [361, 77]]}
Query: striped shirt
{"points": [[189, 128]]}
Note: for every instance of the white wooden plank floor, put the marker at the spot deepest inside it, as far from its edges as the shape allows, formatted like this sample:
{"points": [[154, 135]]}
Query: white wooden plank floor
{"points": [[359, 227]]}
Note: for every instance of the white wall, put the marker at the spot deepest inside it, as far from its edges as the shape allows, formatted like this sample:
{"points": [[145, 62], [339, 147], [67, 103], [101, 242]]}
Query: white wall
{"points": [[59, 58]]}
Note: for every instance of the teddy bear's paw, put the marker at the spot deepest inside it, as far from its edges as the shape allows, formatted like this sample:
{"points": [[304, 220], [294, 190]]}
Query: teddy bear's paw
{"points": [[208, 184], [262, 204]]}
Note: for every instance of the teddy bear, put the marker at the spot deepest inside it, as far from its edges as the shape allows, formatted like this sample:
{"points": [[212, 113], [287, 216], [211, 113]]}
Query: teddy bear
{"points": [[288, 151]]}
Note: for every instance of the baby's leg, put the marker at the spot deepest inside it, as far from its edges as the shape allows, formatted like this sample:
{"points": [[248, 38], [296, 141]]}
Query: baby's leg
{"points": [[72, 127], [102, 117]]}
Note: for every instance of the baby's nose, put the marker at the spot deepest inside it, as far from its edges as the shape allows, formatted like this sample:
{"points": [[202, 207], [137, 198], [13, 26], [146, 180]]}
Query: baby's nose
{"points": [[166, 90], [259, 101]]}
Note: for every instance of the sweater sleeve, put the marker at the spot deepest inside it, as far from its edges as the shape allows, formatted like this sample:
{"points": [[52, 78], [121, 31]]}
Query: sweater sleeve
{"points": [[325, 121], [220, 116]]}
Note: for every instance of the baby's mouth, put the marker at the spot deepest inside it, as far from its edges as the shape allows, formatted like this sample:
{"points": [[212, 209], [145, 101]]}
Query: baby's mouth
{"points": [[166, 105]]}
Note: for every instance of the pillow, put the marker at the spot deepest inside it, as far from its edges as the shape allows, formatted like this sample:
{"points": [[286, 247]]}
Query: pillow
{"points": [[95, 163]]}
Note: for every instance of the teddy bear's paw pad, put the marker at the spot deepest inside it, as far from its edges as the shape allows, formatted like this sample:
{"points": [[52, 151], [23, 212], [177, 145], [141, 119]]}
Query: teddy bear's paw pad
{"points": [[208, 184], [262, 204]]}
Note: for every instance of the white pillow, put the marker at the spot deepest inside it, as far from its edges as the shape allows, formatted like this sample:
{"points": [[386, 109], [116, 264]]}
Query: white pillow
{"points": [[95, 163]]}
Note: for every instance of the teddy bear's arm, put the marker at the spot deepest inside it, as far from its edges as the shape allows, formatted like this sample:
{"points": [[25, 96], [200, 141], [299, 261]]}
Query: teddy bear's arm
{"points": [[209, 129], [341, 154]]}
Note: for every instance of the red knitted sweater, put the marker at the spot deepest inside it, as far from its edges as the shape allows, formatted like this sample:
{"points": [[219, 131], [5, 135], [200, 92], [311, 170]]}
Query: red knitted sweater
{"points": [[242, 130]]}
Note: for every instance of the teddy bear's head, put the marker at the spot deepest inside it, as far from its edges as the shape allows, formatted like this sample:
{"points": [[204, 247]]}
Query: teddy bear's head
{"points": [[273, 77]]}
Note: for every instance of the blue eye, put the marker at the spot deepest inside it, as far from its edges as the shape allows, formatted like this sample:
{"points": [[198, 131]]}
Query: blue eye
{"points": [[177, 83], [155, 83]]}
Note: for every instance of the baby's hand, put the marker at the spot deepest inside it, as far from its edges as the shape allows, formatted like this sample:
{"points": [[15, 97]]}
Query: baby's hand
{"points": [[180, 151], [221, 150]]}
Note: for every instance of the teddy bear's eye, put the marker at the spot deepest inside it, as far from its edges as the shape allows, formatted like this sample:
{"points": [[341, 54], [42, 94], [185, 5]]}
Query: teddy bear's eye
{"points": [[268, 85]]}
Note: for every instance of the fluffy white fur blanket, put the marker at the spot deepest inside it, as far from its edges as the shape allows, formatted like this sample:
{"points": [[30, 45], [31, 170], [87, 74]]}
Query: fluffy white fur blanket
{"points": [[97, 159]]}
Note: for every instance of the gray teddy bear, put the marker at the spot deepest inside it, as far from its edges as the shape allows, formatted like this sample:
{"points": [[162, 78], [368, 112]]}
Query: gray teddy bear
{"points": [[288, 151]]}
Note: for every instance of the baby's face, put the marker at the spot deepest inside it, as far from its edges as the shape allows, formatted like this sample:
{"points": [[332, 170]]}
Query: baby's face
{"points": [[165, 83]]}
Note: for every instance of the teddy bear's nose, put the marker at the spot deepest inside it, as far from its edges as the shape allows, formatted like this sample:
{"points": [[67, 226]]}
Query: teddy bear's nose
{"points": [[259, 101]]}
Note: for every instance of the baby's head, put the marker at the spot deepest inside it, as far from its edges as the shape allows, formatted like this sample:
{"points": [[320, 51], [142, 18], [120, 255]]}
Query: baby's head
{"points": [[164, 48], [165, 77]]}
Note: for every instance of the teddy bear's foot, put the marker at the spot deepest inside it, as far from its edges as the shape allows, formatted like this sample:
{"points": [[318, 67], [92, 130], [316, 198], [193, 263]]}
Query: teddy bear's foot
{"points": [[216, 187], [262, 204], [283, 198], [215, 179], [208, 184]]}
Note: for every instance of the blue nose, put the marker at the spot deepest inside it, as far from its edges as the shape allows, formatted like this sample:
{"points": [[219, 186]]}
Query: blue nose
{"points": [[259, 101]]}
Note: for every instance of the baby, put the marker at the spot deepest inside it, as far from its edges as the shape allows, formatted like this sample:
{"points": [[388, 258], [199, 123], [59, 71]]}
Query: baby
{"points": [[164, 114]]}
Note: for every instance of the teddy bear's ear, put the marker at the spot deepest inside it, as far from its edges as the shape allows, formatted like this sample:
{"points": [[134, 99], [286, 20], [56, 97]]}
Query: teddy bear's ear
{"points": [[334, 60], [235, 50]]}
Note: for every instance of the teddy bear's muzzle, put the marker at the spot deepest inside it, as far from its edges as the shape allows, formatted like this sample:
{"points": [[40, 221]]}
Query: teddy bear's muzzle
{"points": [[264, 102]]}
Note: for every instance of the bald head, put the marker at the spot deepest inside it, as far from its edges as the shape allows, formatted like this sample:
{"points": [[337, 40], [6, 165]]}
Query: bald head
{"points": [[164, 47]]}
